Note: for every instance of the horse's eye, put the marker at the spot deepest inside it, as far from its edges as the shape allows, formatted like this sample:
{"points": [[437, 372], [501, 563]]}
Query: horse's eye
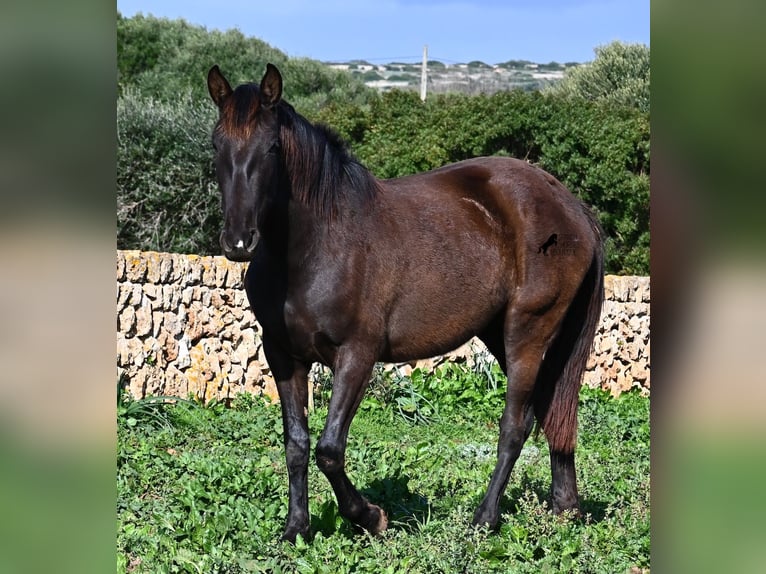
{"points": [[274, 148]]}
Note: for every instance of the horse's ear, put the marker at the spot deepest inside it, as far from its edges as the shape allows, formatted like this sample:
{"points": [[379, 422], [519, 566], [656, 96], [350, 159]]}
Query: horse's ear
{"points": [[271, 86], [217, 85]]}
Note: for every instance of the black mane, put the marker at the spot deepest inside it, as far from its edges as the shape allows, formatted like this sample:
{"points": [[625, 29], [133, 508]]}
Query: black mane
{"points": [[323, 172]]}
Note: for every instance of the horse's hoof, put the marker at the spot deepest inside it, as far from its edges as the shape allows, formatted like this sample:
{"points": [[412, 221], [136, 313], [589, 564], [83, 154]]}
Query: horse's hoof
{"points": [[482, 519], [379, 524], [291, 534], [571, 505]]}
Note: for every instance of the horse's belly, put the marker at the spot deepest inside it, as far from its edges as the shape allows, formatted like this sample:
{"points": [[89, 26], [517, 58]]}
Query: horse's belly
{"points": [[430, 324]]}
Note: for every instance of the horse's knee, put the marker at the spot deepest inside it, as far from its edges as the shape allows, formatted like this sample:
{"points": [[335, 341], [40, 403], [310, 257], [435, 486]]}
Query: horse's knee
{"points": [[329, 459]]}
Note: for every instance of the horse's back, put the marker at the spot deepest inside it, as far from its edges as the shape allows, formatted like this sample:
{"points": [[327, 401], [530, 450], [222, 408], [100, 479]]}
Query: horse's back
{"points": [[500, 199], [507, 185]]}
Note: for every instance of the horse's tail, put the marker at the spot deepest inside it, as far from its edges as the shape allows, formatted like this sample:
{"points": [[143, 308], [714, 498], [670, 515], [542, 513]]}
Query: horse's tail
{"points": [[558, 385]]}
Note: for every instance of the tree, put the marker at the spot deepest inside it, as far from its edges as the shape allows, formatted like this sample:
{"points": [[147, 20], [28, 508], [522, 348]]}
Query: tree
{"points": [[619, 75]]}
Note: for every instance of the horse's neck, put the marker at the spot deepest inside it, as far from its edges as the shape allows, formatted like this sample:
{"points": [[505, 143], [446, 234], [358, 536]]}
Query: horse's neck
{"points": [[315, 236], [305, 227]]}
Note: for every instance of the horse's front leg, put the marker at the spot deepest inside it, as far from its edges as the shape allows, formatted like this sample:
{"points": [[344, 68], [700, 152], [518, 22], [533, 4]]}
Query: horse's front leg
{"points": [[292, 385], [353, 367]]}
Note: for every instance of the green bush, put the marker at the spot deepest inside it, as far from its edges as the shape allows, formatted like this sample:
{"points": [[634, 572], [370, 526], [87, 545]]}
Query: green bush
{"points": [[167, 197], [620, 75], [164, 58]]}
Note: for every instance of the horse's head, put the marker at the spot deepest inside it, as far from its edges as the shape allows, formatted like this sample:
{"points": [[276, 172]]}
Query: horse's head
{"points": [[247, 159]]}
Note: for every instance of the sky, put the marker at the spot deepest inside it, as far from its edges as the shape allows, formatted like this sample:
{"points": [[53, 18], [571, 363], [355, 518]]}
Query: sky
{"points": [[381, 31]]}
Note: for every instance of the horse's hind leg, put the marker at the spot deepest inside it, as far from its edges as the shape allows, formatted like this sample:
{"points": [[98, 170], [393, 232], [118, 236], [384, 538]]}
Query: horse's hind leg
{"points": [[564, 482], [557, 393], [353, 367], [527, 335], [559, 422]]}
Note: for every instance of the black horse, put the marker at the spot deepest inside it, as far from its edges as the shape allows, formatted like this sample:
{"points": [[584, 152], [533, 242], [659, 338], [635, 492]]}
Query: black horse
{"points": [[347, 270]]}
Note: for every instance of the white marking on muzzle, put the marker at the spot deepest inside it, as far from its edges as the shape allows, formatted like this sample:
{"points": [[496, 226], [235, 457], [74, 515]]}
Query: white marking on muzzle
{"points": [[240, 244]]}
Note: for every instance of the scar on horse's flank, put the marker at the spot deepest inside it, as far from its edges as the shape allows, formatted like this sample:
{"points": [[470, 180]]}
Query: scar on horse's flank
{"points": [[552, 240]]}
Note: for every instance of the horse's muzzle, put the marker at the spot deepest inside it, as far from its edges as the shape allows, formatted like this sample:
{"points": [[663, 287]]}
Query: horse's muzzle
{"points": [[241, 250]]}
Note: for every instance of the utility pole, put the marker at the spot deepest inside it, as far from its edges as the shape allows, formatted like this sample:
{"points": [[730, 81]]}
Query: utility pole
{"points": [[424, 74]]}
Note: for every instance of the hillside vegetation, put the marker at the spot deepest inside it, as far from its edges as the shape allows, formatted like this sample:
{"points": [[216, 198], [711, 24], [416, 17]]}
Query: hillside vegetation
{"points": [[167, 197]]}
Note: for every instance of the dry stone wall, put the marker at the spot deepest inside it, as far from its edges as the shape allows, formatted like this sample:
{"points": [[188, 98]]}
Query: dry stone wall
{"points": [[184, 328]]}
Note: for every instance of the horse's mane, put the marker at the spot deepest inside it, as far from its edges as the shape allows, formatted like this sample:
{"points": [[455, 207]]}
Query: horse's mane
{"points": [[323, 172]]}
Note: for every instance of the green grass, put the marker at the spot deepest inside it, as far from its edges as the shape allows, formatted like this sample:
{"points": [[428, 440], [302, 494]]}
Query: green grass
{"points": [[204, 489]]}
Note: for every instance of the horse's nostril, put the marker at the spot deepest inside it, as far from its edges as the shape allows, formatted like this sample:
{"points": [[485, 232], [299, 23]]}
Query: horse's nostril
{"points": [[224, 245], [253, 241]]}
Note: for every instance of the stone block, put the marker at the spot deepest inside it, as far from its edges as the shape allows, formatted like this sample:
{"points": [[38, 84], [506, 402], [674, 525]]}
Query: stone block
{"points": [[235, 276], [120, 266], [152, 292], [135, 266], [221, 271], [171, 297], [208, 270], [152, 259], [127, 321], [194, 273], [143, 320], [236, 375], [169, 347], [124, 293], [165, 268], [136, 294], [187, 295], [157, 323], [179, 269]]}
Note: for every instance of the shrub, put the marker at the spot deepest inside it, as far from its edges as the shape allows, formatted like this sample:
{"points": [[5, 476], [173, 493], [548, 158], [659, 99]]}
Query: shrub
{"points": [[167, 197], [620, 75]]}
